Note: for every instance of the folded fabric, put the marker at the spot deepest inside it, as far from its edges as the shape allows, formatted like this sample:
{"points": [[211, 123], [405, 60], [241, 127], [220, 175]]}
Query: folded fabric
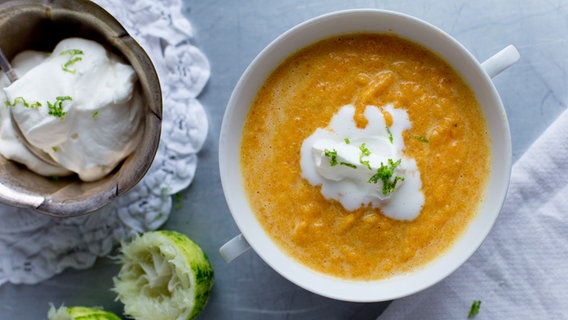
{"points": [[521, 270]]}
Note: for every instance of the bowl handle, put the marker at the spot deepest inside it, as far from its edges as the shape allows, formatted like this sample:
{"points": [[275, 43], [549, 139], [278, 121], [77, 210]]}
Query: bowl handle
{"points": [[501, 61], [233, 248]]}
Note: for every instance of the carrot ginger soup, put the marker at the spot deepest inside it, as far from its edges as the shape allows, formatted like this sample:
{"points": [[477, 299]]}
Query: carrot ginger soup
{"points": [[365, 156]]}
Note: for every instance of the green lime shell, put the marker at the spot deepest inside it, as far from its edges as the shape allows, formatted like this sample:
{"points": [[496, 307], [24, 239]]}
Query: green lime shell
{"points": [[80, 313], [164, 275]]}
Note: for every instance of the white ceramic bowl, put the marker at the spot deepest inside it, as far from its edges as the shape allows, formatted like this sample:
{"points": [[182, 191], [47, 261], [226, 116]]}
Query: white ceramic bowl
{"points": [[475, 74]]}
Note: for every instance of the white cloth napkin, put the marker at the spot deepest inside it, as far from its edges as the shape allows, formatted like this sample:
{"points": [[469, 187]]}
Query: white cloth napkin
{"points": [[35, 247], [521, 270]]}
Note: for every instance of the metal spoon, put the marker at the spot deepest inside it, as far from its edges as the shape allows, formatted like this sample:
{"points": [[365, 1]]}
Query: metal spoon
{"points": [[7, 68], [12, 76]]}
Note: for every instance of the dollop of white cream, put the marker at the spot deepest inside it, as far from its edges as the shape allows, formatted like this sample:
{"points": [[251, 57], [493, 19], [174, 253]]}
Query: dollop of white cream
{"points": [[102, 120], [357, 155]]}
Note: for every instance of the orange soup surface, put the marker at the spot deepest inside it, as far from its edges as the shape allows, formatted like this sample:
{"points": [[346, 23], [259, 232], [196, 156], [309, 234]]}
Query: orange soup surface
{"points": [[448, 139]]}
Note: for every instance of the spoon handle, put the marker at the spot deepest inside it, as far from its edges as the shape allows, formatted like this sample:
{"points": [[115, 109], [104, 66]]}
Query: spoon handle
{"points": [[7, 68]]}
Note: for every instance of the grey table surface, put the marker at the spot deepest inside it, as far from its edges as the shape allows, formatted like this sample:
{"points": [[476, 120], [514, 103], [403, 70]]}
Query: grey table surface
{"points": [[232, 33]]}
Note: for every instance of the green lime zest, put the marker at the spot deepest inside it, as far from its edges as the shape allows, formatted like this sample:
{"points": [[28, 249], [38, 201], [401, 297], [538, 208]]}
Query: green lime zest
{"points": [[347, 164], [390, 135], [72, 52], [332, 155], [56, 108], [474, 310], [421, 139], [23, 101], [347, 141], [365, 163], [95, 115], [74, 57], [385, 174], [365, 152]]}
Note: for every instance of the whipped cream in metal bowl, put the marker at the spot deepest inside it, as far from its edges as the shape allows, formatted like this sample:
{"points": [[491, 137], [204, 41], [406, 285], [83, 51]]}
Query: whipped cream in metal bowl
{"points": [[79, 104]]}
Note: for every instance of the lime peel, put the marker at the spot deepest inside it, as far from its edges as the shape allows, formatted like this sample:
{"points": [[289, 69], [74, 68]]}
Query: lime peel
{"points": [[164, 275], [79, 313]]}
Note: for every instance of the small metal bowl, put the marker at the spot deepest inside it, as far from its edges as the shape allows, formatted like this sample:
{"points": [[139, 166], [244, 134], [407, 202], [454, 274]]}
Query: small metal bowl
{"points": [[40, 25]]}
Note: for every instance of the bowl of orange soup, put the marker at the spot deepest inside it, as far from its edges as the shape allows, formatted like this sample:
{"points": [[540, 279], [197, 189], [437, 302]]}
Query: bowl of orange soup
{"points": [[365, 154]]}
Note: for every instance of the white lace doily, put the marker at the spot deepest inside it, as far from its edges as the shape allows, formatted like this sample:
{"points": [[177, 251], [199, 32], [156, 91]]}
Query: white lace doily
{"points": [[35, 247]]}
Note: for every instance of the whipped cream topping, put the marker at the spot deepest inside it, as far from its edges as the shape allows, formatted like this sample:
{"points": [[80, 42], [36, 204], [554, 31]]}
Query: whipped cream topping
{"points": [[79, 104], [358, 167]]}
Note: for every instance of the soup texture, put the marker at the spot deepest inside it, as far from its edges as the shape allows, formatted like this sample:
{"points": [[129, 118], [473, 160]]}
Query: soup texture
{"points": [[448, 138]]}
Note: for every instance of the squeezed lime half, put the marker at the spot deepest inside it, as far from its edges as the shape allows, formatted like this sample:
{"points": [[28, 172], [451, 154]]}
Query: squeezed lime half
{"points": [[164, 275], [79, 313]]}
